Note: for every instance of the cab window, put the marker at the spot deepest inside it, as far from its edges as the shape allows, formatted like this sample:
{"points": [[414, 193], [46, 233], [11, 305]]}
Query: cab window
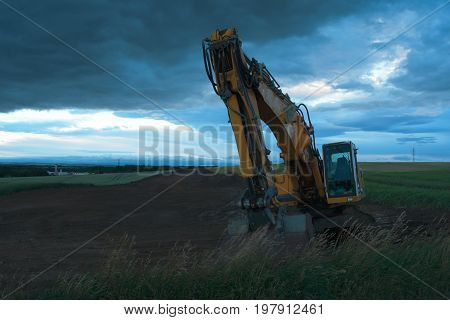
{"points": [[339, 170]]}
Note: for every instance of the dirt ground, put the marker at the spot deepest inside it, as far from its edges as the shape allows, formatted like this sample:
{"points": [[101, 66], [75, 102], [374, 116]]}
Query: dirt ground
{"points": [[39, 227]]}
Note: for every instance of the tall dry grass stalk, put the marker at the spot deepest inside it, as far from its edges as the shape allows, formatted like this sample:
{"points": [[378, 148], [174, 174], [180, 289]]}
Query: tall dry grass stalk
{"points": [[260, 266]]}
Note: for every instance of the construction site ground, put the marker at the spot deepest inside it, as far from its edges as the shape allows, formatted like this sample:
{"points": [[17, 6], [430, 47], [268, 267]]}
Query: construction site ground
{"points": [[38, 227]]}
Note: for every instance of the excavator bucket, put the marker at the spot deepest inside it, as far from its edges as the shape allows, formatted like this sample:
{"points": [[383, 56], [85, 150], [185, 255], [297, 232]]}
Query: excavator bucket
{"points": [[297, 224], [295, 227]]}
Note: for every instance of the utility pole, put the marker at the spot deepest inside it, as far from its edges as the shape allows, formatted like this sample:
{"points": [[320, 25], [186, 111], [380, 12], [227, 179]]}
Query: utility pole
{"points": [[414, 154]]}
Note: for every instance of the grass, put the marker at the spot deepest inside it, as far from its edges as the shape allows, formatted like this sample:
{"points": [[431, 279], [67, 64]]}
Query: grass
{"points": [[404, 166], [413, 185], [400, 184], [15, 184], [254, 269], [418, 189], [366, 167], [410, 185]]}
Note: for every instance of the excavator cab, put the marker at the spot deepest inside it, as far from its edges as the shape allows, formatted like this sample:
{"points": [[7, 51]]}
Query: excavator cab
{"points": [[341, 173]]}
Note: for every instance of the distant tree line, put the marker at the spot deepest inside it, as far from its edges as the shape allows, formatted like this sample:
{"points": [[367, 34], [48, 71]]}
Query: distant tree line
{"points": [[22, 171], [7, 170]]}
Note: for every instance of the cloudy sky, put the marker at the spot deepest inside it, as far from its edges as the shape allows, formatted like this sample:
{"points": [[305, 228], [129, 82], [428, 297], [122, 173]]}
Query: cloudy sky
{"points": [[78, 78]]}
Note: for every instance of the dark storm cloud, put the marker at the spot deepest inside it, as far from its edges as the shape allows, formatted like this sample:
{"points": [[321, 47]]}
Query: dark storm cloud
{"points": [[383, 119], [402, 158], [400, 111], [421, 140], [383, 122], [152, 45], [354, 85], [428, 65]]}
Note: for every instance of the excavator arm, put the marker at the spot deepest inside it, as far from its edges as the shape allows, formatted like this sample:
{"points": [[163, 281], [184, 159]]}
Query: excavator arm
{"points": [[252, 96]]}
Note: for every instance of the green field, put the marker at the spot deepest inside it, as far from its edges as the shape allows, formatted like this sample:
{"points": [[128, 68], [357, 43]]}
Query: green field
{"points": [[410, 185], [10, 185], [401, 184], [404, 166], [414, 189]]}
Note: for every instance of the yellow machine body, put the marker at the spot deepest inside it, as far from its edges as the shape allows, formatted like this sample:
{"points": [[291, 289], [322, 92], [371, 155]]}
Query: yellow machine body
{"points": [[252, 96]]}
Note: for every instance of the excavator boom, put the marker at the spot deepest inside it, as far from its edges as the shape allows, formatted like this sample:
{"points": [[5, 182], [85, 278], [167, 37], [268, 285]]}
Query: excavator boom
{"points": [[252, 97]]}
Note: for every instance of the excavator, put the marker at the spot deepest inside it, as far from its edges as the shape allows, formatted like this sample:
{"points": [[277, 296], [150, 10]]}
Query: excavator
{"points": [[308, 187]]}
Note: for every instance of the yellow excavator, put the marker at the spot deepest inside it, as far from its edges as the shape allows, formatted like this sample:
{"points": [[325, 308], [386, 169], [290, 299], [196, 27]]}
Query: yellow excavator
{"points": [[291, 199]]}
